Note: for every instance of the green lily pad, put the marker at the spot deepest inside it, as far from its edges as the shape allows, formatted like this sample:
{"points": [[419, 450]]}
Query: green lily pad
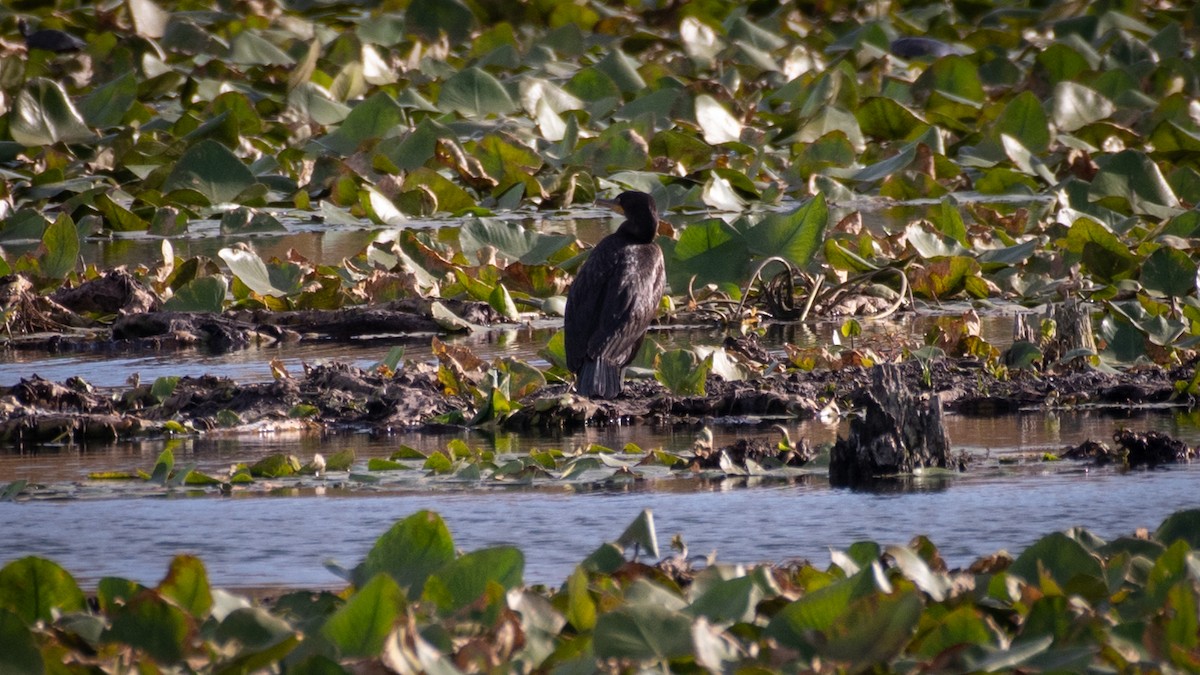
{"points": [[209, 168], [43, 115]]}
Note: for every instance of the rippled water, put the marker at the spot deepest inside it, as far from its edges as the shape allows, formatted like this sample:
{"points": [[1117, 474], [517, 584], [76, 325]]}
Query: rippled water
{"points": [[284, 538]]}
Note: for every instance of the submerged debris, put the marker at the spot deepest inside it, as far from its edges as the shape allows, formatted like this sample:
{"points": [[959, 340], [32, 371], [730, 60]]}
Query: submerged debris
{"points": [[757, 450], [1145, 448]]}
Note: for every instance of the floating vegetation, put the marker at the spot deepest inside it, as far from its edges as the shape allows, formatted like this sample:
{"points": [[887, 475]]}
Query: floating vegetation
{"points": [[898, 156], [1071, 601]]}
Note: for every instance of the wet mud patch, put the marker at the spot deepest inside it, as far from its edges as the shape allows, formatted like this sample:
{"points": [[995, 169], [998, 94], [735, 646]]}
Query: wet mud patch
{"points": [[339, 396]]}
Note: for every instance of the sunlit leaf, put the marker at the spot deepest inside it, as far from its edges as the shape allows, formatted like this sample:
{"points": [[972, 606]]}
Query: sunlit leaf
{"points": [[34, 588], [206, 294], [43, 115], [796, 235], [61, 241], [187, 584], [1075, 105], [464, 580], [360, 627], [717, 125], [410, 551]]}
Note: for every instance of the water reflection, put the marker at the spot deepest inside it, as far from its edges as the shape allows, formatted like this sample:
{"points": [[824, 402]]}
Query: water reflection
{"points": [[282, 536]]}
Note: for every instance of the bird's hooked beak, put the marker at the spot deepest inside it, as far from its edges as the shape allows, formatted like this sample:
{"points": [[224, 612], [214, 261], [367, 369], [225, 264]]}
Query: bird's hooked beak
{"points": [[611, 204]]}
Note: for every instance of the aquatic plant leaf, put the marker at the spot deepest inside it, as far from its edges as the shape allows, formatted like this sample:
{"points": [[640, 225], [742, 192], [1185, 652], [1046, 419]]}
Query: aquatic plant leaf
{"points": [[716, 123], [187, 584], [642, 631], [819, 610], [61, 241], [34, 588], [1101, 252], [727, 600], [512, 240], [1182, 525], [410, 551], [1075, 106], [243, 220], [710, 250], [448, 195], [274, 466], [12, 490], [1125, 342], [431, 19], [916, 570], [962, 626], [1025, 120], [796, 235], [313, 102], [149, 20], [20, 655], [682, 372], [374, 118], [1131, 175], [262, 639], [944, 276], [248, 48], [581, 608], [1060, 556], [118, 218], [44, 115], [209, 168], [206, 294], [473, 92], [874, 630], [250, 269], [884, 118], [361, 626], [107, 105], [465, 579], [163, 466], [24, 225], [954, 76], [1169, 271], [641, 533], [152, 625]]}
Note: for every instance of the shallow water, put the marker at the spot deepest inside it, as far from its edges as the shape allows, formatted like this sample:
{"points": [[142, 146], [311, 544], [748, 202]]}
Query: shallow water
{"points": [[283, 538]]}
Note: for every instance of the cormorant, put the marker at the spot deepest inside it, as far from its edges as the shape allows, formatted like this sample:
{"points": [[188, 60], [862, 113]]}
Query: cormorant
{"points": [[613, 299], [49, 39]]}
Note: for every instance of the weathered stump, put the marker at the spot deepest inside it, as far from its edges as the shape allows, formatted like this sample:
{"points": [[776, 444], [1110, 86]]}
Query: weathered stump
{"points": [[1072, 329], [897, 433]]}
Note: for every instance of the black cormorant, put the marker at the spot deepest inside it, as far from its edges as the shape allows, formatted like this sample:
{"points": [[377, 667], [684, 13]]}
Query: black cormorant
{"points": [[613, 299], [49, 39]]}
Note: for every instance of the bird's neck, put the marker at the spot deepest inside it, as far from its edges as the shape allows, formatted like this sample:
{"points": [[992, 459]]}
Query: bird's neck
{"points": [[641, 227]]}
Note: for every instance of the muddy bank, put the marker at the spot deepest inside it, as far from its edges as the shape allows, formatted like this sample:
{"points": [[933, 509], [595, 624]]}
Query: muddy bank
{"points": [[338, 397]]}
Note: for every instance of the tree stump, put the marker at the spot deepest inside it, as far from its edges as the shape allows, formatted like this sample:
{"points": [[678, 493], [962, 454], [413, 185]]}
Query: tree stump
{"points": [[898, 432]]}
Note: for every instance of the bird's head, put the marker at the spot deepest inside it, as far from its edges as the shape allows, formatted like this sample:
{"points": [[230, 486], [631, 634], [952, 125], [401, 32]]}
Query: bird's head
{"points": [[640, 212]]}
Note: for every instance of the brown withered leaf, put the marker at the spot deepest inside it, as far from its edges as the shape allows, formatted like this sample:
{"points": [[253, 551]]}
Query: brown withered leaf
{"points": [[468, 168]]}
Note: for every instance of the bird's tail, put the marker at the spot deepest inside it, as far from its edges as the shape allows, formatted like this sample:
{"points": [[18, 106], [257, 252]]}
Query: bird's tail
{"points": [[599, 379]]}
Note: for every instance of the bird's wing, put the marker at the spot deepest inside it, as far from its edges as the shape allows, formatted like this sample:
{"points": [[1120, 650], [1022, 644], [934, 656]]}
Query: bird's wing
{"points": [[584, 302], [630, 303]]}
